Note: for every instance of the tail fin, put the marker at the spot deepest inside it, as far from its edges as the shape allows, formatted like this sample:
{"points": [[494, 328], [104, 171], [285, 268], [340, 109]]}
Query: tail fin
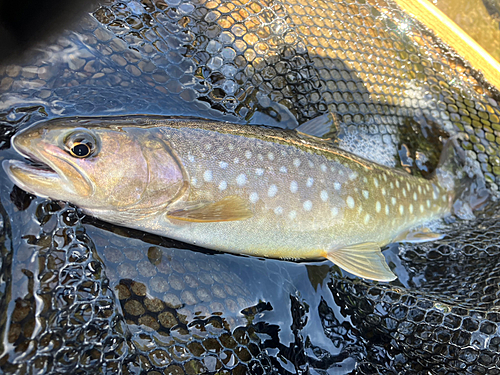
{"points": [[458, 174]]}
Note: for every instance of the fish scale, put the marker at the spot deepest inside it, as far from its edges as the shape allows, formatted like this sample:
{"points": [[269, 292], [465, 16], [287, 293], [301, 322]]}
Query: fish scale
{"points": [[294, 197], [246, 190]]}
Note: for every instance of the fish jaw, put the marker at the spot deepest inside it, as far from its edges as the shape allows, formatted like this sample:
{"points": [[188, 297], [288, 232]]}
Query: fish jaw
{"points": [[52, 176], [31, 179]]}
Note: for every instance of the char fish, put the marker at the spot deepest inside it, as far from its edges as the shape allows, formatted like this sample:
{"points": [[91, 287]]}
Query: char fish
{"points": [[235, 188]]}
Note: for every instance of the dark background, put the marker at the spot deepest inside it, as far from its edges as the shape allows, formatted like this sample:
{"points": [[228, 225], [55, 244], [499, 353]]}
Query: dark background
{"points": [[25, 22]]}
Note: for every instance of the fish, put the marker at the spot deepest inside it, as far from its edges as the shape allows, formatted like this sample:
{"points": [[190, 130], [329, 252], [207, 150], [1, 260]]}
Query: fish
{"points": [[242, 189]]}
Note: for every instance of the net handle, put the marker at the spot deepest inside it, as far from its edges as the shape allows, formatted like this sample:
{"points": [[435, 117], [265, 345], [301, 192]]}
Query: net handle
{"points": [[451, 34]]}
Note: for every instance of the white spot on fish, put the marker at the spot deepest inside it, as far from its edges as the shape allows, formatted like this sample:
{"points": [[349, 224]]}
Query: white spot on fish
{"points": [[350, 202], [254, 197], [360, 209], [260, 157], [408, 186], [311, 164], [353, 175], [365, 180], [428, 203], [241, 179], [411, 208], [323, 167], [278, 210], [223, 185], [378, 206], [259, 171], [367, 218], [292, 215], [294, 187], [207, 175], [270, 156], [223, 164], [208, 146], [307, 205], [248, 154], [421, 208], [385, 177], [419, 189], [296, 162], [404, 192], [336, 185], [191, 158], [335, 211], [387, 209], [444, 198], [415, 196], [310, 182], [391, 185], [366, 194], [271, 192], [393, 201], [397, 184], [283, 169], [401, 209], [236, 160], [375, 181], [324, 195], [383, 191], [194, 181], [435, 194], [230, 147]]}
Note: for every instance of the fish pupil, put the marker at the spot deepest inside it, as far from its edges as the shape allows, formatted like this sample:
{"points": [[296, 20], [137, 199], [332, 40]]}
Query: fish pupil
{"points": [[81, 150]]}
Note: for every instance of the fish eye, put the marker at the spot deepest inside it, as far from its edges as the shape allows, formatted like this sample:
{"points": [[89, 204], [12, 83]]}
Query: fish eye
{"points": [[81, 144], [80, 150]]}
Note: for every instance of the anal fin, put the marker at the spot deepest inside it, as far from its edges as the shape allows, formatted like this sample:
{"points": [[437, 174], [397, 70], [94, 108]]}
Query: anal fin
{"points": [[364, 260], [231, 208], [418, 235]]}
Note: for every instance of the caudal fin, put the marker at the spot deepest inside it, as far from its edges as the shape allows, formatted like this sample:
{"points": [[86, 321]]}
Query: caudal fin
{"points": [[458, 174]]}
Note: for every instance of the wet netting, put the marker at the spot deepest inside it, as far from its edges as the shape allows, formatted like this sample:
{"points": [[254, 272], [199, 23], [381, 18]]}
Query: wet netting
{"points": [[84, 297]]}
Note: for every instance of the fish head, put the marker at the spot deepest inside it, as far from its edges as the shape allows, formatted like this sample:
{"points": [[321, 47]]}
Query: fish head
{"points": [[99, 167]]}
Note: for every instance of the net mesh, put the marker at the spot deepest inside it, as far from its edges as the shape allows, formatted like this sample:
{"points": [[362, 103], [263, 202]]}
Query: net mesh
{"points": [[77, 298]]}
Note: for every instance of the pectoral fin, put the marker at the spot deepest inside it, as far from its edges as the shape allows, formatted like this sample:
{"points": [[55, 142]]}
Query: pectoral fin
{"points": [[230, 208], [363, 260]]}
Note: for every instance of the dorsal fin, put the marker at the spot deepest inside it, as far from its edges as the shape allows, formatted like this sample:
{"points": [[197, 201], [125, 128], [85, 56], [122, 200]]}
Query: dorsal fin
{"points": [[325, 127]]}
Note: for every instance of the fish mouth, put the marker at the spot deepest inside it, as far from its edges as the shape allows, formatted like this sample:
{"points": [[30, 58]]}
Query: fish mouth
{"points": [[33, 164], [46, 172], [32, 167], [34, 175]]}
